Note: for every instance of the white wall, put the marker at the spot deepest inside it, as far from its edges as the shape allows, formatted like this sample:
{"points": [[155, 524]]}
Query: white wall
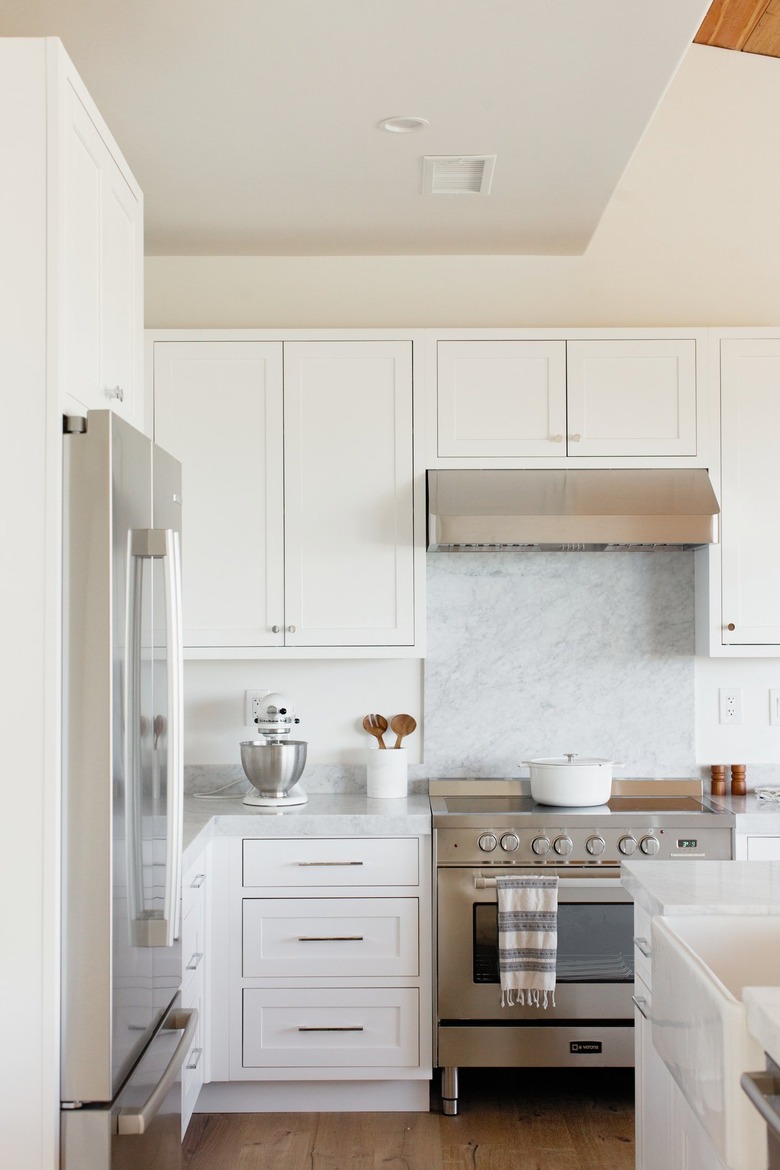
{"points": [[691, 237]]}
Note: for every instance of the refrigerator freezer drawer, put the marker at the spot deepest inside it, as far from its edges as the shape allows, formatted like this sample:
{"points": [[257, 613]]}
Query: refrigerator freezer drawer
{"points": [[141, 1129]]}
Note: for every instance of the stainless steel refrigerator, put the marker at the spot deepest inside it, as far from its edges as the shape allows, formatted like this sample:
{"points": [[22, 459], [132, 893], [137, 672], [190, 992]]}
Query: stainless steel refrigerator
{"points": [[124, 1036]]}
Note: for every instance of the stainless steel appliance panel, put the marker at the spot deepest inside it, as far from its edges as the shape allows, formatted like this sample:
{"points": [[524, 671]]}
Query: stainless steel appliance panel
{"points": [[122, 787]]}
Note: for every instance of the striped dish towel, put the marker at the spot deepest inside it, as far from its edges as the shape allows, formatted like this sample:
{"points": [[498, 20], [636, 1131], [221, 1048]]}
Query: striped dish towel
{"points": [[527, 939]]}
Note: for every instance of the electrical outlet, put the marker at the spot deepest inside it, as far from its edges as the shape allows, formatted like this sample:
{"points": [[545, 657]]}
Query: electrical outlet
{"points": [[730, 700], [252, 702], [774, 707]]}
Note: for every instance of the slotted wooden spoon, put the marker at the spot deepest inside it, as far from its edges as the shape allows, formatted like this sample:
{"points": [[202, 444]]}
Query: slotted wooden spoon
{"points": [[402, 725], [376, 725]]}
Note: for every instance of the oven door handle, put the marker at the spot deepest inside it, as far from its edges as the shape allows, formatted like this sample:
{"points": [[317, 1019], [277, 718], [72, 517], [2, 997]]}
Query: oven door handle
{"points": [[489, 883]]}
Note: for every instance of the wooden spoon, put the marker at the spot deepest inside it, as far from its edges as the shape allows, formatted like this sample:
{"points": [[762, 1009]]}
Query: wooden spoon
{"points": [[376, 725], [402, 725]]}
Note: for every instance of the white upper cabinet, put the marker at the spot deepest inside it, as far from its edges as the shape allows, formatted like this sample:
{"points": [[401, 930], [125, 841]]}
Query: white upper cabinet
{"points": [[299, 534], [99, 217], [744, 571], [512, 400]]}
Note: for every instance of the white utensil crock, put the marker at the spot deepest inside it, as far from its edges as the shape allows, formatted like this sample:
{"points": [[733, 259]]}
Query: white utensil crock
{"points": [[386, 773]]}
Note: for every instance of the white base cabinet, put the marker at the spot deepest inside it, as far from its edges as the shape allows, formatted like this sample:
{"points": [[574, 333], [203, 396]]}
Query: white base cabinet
{"points": [[321, 973], [194, 991], [302, 536]]}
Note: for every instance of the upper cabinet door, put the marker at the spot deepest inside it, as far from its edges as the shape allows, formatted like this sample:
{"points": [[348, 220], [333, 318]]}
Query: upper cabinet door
{"points": [[750, 489], [218, 409], [501, 398], [349, 547], [100, 269], [631, 398]]}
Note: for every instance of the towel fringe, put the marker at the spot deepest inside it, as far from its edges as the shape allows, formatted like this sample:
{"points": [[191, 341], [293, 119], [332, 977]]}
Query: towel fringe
{"points": [[526, 998]]}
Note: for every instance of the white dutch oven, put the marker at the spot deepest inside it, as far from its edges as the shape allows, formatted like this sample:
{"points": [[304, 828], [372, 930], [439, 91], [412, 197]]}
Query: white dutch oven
{"points": [[570, 780]]}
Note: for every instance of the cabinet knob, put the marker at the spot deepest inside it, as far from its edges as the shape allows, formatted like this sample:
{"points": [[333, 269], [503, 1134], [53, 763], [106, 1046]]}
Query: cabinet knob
{"points": [[575, 438], [556, 438], [276, 629], [291, 629], [731, 627], [115, 392]]}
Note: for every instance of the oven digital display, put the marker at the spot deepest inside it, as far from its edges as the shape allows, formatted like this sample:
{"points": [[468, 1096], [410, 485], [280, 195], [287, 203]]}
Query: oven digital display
{"points": [[687, 843]]}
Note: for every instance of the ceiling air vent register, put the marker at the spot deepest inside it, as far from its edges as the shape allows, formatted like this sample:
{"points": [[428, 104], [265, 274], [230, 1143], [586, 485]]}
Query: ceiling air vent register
{"points": [[458, 174]]}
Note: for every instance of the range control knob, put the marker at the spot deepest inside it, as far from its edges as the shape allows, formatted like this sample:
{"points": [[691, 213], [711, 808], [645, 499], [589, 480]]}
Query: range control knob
{"points": [[563, 846], [487, 842], [627, 846], [510, 842], [595, 846], [540, 846], [649, 845]]}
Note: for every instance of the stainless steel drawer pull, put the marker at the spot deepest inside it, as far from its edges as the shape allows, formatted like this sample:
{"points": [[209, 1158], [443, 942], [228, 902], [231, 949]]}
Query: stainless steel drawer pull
{"points": [[330, 938], [642, 1005], [197, 881], [345, 1028], [195, 1061], [194, 961], [643, 946], [302, 863]]}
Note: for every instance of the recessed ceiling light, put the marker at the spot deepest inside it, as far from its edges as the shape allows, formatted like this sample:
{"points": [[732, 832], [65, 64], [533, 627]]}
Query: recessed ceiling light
{"points": [[404, 124]]}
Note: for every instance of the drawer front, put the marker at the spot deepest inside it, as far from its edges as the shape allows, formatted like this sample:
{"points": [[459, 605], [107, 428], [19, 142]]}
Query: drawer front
{"points": [[330, 937], [642, 934], [349, 1027], [193, 944], [193, 888], [344, 861], [192, 1068]]}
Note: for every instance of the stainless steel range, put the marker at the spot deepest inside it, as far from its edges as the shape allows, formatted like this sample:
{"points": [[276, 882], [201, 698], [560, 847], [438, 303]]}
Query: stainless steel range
{"points": [[485, 828]]}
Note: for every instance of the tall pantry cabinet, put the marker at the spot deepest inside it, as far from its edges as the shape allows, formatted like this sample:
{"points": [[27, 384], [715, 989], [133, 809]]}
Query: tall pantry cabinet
{"points": [[71, 339]]}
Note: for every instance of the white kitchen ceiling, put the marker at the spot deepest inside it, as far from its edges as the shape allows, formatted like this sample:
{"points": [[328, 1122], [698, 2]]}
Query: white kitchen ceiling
{"points": [[253, 126]]}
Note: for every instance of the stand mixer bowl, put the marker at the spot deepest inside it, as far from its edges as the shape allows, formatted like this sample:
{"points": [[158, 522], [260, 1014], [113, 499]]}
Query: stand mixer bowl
{"points": [[272, 767]]}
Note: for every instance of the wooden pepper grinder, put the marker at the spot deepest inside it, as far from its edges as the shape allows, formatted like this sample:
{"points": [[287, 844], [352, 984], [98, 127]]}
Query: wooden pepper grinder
{"points": [[738, 781], [718, 781]]}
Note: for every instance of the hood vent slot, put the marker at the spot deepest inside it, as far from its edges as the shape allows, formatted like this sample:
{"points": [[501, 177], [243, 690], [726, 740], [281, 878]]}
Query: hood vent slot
{"points": [[458, 174], [571, 511]]}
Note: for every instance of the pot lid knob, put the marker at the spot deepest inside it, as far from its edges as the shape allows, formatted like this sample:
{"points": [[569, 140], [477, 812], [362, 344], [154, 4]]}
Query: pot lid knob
{"points": [[570, 756]]}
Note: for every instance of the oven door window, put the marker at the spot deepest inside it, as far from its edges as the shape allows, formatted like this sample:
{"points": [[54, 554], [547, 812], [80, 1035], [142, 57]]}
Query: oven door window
{"points": [[595, 942]]}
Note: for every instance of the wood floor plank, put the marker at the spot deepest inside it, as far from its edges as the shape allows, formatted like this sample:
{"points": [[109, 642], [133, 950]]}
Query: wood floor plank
{"points": [[513, 1119]]}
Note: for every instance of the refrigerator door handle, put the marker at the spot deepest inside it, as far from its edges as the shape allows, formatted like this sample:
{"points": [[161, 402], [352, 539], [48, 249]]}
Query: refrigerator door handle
{"points": [[175, 767], [137, 1121], [149, 929]]}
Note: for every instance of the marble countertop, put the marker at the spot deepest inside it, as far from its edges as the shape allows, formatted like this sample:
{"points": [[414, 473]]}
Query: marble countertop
{"points": [[752, 814], [325, 814], [704, 887]]}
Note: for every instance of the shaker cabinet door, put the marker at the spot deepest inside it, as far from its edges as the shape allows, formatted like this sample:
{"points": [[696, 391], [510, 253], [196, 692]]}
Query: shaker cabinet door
{"points": [[100, 258], [750, 565], [218, 409], [349, 547]]}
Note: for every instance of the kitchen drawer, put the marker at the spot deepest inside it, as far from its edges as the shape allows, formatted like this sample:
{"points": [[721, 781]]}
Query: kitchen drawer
{"points": [[315, 1028], [642, 934], [330, 937], [192, 1072], [344, 861], [193, 889], [193, 945]]}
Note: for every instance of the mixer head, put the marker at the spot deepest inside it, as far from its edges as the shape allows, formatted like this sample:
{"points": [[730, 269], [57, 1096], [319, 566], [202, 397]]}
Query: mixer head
{"points": [[275, 716]]}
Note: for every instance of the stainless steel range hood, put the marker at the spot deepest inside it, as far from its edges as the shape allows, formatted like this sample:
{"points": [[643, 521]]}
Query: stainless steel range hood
{"points": [[476, 510]]}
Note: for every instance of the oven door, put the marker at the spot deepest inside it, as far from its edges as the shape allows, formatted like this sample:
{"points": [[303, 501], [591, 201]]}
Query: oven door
{"points": [[594, 970]]}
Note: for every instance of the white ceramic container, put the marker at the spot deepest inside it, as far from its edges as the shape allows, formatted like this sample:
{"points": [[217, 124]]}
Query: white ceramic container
{"points": [[570, 781], [386, 773]]}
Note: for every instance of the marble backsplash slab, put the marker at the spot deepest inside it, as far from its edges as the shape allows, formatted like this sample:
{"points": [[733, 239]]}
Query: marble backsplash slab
{"points": [[537, 654]]}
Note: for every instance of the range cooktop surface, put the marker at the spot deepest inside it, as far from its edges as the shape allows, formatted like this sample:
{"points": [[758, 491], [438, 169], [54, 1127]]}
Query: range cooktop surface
{"points": [[488, 805]]}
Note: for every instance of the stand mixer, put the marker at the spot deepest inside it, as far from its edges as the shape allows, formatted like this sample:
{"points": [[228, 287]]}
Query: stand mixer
{"points": [[273, 763]]}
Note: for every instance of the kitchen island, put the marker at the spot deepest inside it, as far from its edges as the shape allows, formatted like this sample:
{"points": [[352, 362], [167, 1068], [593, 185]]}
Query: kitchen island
{"points": [[703, 932]]}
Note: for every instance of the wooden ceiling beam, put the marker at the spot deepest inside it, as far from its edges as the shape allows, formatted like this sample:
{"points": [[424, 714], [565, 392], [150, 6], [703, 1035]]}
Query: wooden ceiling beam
{"points": [[730, 24]]}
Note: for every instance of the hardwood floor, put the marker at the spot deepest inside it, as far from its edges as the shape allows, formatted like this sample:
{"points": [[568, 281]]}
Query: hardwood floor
{"points": [[510, 1119]]}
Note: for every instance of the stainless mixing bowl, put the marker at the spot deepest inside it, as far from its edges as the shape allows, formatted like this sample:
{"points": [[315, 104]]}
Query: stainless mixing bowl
{"points": [[273, 768]]}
